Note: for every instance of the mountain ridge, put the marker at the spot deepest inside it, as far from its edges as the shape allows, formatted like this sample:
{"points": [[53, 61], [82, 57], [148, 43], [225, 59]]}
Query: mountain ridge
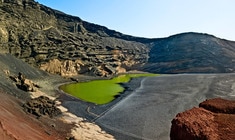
{"points": [[64, 44]]}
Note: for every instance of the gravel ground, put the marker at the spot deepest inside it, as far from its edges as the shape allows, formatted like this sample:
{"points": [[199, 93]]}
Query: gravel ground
{"points": [[148, 111], [145, 109]]}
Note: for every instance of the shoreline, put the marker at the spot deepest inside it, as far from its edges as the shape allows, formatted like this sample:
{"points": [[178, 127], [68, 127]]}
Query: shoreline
{"points": [[90, 112], [82, 129], [48, 84], [119, 80], [64, 97]]}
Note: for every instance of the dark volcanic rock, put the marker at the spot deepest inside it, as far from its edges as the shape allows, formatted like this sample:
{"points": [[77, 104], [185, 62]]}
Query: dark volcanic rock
{"points": [[191, 53], [213, 120], [23, 83], [66, 45], [39, 34], [42, 106]]}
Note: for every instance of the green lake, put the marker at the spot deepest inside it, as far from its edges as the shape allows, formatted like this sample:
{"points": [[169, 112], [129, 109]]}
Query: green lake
{"points": [[100, 91]]}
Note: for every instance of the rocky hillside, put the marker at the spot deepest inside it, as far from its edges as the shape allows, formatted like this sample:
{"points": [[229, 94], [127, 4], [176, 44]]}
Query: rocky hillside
{"points": [[66, 45], [63, 44], [192, 52]]}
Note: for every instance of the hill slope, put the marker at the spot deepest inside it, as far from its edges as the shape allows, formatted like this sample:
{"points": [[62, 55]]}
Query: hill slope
{"points": [[192, 52], [66, 45], [38, 34]]}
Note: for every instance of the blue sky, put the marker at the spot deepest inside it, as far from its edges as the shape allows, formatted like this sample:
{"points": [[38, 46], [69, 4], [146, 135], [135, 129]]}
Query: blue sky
{"points": [[155, 18]]}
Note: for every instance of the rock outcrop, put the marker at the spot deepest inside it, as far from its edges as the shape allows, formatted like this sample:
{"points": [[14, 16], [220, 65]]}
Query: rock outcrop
{"points": [[213, 120], [42, 106], [219, 106], [39, 106], [40, 35], [24, 83]]}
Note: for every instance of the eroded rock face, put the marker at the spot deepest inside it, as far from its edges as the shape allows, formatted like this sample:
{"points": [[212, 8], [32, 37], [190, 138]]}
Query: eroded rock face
{"points": [[63, 68], [40, 35], [213, 120]]}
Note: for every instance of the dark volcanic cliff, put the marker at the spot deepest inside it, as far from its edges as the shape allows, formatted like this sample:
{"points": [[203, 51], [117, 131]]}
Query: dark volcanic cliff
{"points": [[66, 45]]}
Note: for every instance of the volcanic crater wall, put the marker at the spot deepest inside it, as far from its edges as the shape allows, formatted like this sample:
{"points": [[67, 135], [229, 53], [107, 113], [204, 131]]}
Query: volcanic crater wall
{"points": [[66, 45], [40, 36]]}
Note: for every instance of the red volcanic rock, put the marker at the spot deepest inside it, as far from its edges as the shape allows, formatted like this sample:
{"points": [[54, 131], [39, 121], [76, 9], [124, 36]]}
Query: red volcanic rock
{"points": [[196, 123], [219, 105], [213, 120]]}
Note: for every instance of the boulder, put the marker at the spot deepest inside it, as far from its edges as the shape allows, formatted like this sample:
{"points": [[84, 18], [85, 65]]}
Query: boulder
{"points": [[213, 120], [219, 105], [65, 68], [23, 83]]}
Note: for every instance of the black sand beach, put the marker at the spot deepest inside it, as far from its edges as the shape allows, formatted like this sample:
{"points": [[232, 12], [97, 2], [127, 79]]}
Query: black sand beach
{"points": [[146, 108], [143, 111], [147, 112]]}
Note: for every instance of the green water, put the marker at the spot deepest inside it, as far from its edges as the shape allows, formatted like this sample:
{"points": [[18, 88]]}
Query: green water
{"points": [[100, 91]]}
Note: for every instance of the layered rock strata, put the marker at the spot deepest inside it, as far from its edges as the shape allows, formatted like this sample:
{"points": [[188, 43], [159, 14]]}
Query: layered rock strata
{"points": [[42, 37], [67, 45]]}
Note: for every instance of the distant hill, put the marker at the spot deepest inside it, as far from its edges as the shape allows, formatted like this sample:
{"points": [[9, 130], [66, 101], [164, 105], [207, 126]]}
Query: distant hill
{"points": [[191, 53], [67, 45]]}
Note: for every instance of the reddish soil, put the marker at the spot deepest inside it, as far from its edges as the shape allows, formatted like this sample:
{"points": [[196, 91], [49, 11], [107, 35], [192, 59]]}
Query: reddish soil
{"points": [[219, 105], [15, 124], [213, 120]]}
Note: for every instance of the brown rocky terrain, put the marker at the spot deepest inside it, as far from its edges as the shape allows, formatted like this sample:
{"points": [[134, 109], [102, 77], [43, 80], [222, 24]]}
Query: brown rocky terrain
{"points": [[213, 120]]}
